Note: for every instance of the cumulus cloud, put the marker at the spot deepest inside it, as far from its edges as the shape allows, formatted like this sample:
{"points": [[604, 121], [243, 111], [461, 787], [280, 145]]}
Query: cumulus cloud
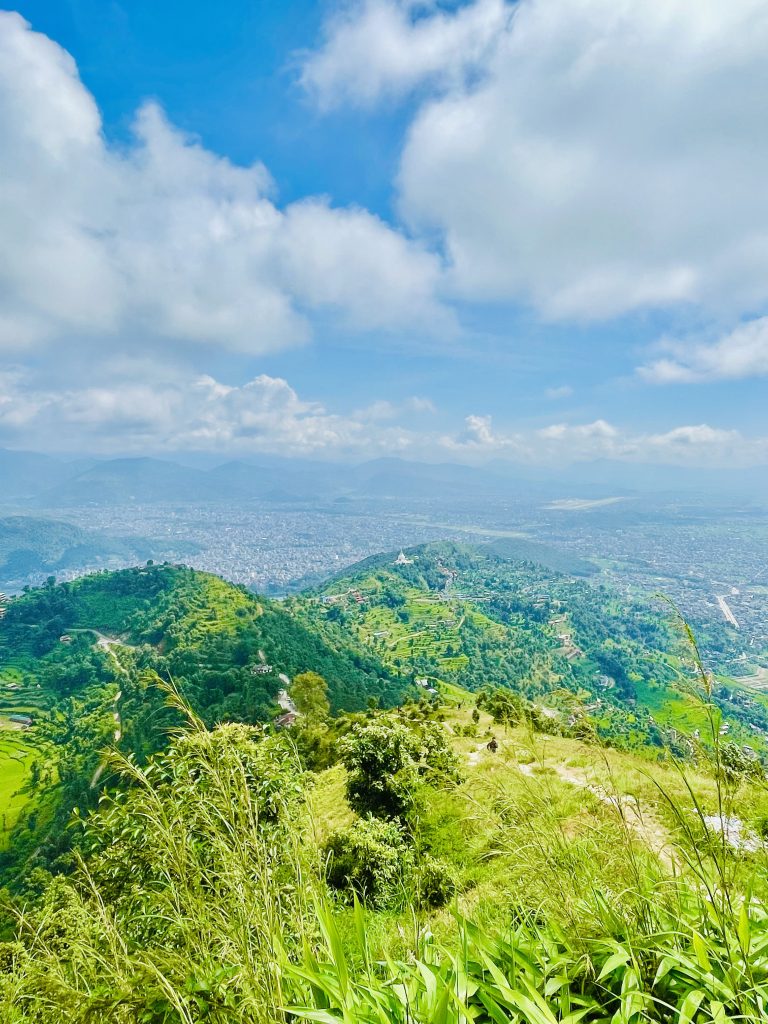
{"points": [[741, 353], [191, 413], [561, 443], [384, 48], [164, 239], [127, 411], [589, 158]]}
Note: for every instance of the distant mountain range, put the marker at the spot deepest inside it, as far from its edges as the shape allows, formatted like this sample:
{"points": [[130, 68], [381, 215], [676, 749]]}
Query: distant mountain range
{"points": [[39, 481], [32, 480]]}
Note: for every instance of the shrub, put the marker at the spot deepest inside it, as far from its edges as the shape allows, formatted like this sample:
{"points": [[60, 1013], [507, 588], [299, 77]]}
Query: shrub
{"points": [[435, 882], [386, 760], [382, 762], [370, 859]]}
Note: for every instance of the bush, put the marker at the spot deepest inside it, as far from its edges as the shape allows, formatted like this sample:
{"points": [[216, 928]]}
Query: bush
{"points": [[382, 762], [386, 761], [435, 882], [370, 859], [504, 706]]}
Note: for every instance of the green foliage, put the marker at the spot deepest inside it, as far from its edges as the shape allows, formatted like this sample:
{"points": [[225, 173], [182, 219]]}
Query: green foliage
{"points": [[202, 889], [533, 974], [129, 631], [202, 897], [504, 706], [505, 615], [309, 692], [434, 883], [382, 762], [371, 860], [193, 893], [738, 764], [386, 761]]}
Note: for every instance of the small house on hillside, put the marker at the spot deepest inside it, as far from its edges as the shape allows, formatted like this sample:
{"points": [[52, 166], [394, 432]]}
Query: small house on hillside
{"points": [[286, 721]]}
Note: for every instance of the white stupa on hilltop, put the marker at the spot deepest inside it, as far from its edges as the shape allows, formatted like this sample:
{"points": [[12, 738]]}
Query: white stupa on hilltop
{"points": [[402, 560]]}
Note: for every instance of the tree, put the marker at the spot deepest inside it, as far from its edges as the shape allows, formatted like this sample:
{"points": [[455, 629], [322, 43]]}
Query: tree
{"points": [[370, 859], [386, 762], [381, 761], [309, 692], [504, 706]]}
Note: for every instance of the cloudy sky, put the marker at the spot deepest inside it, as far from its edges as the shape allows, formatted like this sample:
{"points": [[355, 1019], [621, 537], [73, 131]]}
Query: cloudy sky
{"points": [[533, 230]]}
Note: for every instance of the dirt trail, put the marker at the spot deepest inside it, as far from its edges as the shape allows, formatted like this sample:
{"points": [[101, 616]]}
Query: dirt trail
{"points": [[108, 643], [641, 821], [474, 755]]}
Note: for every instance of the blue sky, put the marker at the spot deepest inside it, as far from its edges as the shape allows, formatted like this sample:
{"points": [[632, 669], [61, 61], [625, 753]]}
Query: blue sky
{"points": [[535, 231]]}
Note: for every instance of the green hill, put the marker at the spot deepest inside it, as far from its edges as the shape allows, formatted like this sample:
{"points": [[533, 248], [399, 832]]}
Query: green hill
{"points": [[480, 616], [455, 857], [515, 549], [80, 663]]}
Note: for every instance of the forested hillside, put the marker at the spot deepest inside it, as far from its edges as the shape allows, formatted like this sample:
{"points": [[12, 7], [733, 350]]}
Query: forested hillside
{"points": [[33, 546], [81, 666]]}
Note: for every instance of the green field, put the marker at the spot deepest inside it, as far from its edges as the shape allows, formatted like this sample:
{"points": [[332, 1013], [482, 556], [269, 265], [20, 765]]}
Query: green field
{"points": [[17, 753]]}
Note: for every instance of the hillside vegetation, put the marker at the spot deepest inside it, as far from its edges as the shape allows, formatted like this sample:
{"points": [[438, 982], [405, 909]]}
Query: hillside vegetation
{"points": [[479, 616], [31, 545], [80, 662], [476, 809], [420, 878]]}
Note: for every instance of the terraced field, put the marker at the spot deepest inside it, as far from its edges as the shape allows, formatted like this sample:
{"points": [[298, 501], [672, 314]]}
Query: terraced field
{"points": [[17, 747], [17, 754], [421, 627]]}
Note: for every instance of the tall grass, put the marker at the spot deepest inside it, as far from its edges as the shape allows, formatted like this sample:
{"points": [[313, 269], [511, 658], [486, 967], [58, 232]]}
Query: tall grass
{"points": [[201, 898]]}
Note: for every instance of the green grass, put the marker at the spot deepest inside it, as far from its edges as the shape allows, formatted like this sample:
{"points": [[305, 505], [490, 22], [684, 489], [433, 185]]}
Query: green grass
{"points": [[564, 913], [17, 753]]}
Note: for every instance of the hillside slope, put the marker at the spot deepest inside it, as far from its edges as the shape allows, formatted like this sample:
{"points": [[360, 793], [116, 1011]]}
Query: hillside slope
{"points": [[541, 880], [80, 665], [479, 616], [31, 546]]}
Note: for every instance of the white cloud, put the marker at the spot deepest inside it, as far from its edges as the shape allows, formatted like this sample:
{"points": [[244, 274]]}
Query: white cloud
{"points": [[741, 353], [385, 48], [190, 413], [384, 410], [127, 411], [561, 443], [589, 158], [559, 391], [164, 239]]}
